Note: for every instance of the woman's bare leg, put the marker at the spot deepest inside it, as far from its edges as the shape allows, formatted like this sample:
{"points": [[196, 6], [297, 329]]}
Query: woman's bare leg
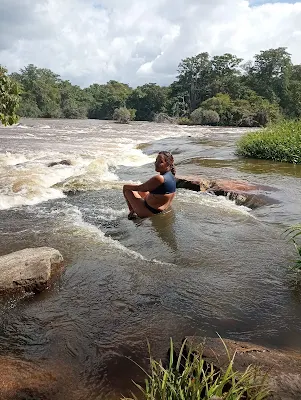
{"points": [[136, 204], [128, 203], [143, 195]]}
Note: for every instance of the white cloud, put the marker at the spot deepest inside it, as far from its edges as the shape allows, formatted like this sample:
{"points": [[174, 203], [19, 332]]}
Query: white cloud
{"points": [[138, 41]]}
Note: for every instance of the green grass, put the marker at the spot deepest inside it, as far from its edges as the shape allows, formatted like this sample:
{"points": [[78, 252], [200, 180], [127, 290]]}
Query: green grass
{"points": [[192, 378], [294, 235], [279, 142]]}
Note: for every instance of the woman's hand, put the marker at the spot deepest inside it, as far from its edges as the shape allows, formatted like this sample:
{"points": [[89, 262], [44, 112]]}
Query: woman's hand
{"points": [[147, 186]]}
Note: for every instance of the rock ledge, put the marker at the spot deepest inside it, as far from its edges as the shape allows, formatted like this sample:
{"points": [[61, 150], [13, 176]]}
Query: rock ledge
{"points": [[29, 270]]}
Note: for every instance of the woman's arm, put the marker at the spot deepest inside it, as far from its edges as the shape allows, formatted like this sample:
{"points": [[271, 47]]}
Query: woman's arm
{"points": [[147, 186]]}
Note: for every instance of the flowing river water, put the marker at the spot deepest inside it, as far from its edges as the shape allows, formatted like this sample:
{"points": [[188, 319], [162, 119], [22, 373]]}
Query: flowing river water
{"points": [[207, 266]]}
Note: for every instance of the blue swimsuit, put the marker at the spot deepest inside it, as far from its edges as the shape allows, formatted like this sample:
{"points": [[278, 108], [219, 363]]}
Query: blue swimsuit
{"points": [[167, 187]]}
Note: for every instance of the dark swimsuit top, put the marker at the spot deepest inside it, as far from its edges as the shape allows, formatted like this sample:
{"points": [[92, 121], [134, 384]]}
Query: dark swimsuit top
{"points": [[168, 186]]}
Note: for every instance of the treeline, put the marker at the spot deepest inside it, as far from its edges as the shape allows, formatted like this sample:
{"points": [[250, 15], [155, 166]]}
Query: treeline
{"points": [[219, 90]]}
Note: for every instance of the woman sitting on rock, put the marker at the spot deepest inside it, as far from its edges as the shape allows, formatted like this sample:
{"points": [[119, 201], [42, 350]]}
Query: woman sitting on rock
{"points": [[155, 195]]}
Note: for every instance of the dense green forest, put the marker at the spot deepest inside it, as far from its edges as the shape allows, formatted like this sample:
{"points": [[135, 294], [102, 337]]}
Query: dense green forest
{"points": [[218, 90]]}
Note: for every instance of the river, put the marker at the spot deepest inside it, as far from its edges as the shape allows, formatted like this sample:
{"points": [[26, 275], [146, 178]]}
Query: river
{"points": [[209, 266]]}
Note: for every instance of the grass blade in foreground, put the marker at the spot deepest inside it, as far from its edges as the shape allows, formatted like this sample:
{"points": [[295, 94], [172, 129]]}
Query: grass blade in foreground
{"points": [[190, 377], [294, 234]]}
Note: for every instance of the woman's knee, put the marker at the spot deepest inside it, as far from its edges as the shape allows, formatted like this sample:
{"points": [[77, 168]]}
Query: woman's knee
{"points": [[125, 190]]}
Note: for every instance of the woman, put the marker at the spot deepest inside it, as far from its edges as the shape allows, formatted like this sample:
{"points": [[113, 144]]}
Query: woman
{"points": [[155, 195]]}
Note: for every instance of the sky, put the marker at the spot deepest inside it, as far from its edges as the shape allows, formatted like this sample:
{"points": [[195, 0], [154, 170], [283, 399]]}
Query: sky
{"points": [[140, 41]]}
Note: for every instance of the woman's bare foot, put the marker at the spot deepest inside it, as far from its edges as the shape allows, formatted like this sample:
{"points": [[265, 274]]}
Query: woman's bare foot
{"points": [[132, 215]]}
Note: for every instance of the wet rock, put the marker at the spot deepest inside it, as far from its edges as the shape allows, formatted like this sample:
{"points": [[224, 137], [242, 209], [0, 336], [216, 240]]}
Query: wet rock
{"points": [[63, 162], [198, 184], [23, 380], [243, 193], [26, 184], [282, 368], [223, 187], [29, 270]]}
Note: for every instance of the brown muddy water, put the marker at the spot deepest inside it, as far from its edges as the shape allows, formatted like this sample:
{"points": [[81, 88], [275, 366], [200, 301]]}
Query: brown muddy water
{"points": [[207, 266]]}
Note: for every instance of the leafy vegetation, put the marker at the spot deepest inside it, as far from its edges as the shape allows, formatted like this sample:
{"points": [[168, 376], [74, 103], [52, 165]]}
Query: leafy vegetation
{"points": [[294, 234], [148, 100], [241, 93], [104, 99], [122, 115], [190, 377], [184, 121], [280, 142], [9, 98], [201, 116]]}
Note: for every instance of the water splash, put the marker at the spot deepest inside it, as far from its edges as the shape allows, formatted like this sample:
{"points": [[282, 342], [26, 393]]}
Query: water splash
{"points": [[210, 200]]}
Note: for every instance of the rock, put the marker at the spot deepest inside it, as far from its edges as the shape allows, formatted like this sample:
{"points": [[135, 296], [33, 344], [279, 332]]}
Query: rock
{"points": [[63, 162], [283, 368], [223, 187], [193, 183], [24, 380], [29, 270], [243, 193]]}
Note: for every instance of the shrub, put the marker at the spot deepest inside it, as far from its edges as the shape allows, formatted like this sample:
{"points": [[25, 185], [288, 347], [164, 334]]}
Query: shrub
{"points": [[197, 116], [223, 105], [193, 378], [184, 121], [122, 115], [132, 113], [204, 117], [278, 142], [252, 110], [210, 117]]}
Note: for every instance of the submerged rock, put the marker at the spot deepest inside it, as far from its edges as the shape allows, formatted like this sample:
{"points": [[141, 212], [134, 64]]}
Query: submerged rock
{"points": [[29, 270], [243, 193], [63, 162], [282, 368], [24, 380]]}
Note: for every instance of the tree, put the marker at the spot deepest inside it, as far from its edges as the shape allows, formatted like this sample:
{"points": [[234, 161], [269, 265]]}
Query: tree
{"points": [[293, 106], [148, 100], [270, 74], [253, 110], [9, 98], [226, 76], [193, 82], [74, 101], [106, 98], [202, 77], [40, 92]]}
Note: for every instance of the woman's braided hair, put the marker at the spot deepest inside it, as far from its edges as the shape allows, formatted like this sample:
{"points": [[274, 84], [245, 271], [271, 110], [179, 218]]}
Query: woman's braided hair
{"points": [[169, 159]]}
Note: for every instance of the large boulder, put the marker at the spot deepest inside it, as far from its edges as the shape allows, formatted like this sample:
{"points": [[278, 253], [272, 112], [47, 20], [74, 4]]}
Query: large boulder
{"points": [[29, 270], [282, 368]]}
